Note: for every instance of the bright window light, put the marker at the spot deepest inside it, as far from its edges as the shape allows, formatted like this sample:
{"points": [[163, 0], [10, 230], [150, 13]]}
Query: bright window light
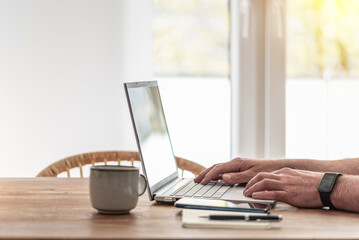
{"points": [[191, 62]]}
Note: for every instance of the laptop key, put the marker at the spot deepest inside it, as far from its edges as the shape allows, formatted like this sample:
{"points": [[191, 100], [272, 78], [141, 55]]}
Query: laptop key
{"points": [[213, 190], [176, 188], [204, 189], [186, 189], [221, 191], [194, 190]]}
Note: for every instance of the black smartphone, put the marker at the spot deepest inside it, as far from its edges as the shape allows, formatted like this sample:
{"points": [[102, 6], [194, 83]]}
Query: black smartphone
{"points": [[222, 205]]}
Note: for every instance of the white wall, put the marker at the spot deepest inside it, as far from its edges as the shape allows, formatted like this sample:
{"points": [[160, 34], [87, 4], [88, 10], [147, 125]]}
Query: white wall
{"points": [[62, 65]]}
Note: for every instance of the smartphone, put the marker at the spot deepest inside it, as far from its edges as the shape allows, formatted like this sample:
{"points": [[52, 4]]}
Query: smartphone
{"points": [[222, 205]]}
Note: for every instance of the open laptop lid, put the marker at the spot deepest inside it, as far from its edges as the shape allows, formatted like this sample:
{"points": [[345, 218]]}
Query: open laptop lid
{"points": [[153, 140]]}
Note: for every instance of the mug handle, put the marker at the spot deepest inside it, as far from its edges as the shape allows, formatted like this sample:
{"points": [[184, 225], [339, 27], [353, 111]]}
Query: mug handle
{"points": [[142, 183]]}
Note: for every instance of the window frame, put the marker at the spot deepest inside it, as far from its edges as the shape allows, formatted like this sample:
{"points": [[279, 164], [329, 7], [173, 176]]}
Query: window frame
{"points": [[257, 78]]}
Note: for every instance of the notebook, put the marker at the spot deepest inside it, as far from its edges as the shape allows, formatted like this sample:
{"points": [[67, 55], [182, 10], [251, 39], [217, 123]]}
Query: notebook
{"points": [[156, 153], [191, 219]]}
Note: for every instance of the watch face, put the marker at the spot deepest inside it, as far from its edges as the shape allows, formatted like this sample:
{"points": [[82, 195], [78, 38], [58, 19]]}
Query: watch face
{"points": [[327, 182]]}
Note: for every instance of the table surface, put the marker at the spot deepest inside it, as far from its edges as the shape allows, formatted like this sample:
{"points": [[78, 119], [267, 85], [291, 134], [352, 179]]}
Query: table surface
{"points": [[32, 208]]}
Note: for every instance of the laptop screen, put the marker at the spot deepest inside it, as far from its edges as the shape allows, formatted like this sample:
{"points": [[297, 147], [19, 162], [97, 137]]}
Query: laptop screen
{"points": [[151, 132]]}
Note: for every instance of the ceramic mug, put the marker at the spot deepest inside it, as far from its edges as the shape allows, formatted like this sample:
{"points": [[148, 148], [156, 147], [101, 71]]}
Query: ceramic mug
{"points": [[115, 189]]}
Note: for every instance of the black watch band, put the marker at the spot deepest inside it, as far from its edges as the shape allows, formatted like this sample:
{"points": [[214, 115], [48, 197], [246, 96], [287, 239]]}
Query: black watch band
{"points": [[326, 187]]}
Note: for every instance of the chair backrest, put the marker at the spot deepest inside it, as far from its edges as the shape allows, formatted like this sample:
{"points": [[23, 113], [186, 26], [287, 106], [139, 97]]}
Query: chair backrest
{"points": [[80, 160]]}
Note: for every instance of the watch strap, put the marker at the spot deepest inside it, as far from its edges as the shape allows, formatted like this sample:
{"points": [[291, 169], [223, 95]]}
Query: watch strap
{"points": [[325, 195]]}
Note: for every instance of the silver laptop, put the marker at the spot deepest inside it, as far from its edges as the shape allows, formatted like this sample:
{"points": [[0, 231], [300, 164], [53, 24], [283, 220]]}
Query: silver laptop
{"points": [[157, 158]]}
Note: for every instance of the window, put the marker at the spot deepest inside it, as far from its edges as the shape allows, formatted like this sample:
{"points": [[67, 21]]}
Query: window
{"points": [[322, 78], [191, 63]]}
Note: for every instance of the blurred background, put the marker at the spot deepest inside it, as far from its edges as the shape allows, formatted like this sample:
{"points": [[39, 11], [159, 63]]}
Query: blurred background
{"points": [[63, 65]]}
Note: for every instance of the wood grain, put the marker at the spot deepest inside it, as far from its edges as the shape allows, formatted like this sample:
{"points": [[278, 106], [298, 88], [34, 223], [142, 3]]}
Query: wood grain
{"points": [[59, 208]]}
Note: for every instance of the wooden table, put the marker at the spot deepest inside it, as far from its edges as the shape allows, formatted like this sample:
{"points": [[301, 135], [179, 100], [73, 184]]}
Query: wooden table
{"points": [[58, 208]]}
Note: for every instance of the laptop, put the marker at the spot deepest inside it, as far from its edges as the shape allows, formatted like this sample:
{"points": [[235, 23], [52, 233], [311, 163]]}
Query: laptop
{"points": [[156, 153]]}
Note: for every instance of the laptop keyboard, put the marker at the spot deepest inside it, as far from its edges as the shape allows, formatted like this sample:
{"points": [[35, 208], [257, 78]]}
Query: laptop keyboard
{"points": [[193, 189]]}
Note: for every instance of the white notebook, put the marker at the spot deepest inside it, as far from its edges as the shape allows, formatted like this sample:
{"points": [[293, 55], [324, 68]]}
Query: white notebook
{"points": [[191, 219]]}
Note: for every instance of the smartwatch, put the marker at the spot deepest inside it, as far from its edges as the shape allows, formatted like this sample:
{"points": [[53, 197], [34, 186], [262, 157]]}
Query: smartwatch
{"points": [[326, 187]]}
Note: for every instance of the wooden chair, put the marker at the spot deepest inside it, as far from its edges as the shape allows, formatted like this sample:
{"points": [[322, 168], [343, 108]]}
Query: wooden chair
{"points": [[81, 160]]}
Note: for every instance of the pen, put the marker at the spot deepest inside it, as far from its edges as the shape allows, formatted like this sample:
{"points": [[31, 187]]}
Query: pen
{"points": [[276, 218]]}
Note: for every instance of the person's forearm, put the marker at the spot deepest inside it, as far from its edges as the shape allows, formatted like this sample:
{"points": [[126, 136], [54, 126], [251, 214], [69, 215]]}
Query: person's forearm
{"points": [[346, 193], [345, 166]]}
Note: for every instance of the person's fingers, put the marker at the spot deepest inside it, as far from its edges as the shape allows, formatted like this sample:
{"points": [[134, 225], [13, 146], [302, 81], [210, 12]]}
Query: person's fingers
{"points": [[217, 170], [239, 177], [281, 196], [219, 177], [259, 177], [203, 173], [263, 185]]}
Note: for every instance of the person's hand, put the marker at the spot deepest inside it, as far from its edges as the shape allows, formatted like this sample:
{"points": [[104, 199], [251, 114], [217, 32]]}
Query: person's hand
{"points": [[238, 170], [295, 187]]}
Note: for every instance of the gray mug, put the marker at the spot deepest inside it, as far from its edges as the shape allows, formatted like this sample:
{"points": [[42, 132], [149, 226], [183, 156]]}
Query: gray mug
{"points": [[115, 189]]}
